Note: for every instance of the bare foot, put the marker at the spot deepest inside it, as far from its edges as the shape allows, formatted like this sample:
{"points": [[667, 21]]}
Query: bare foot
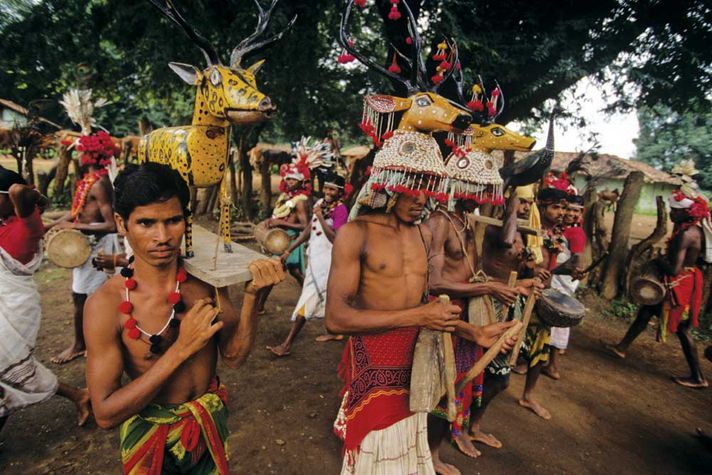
{"points": [[83, 408], [487, 439], [279, 350], [613, 350], [562, 351], [551, 372], [520, 368], [536, 408], [328, 337], [71, 353], [464, 445], [442, 468], [690, 382]]}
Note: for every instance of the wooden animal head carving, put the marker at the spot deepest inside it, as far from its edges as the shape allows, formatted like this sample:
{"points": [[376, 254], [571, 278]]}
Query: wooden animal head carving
{"points": [[424, 110], [492, 136], [226, 94]]}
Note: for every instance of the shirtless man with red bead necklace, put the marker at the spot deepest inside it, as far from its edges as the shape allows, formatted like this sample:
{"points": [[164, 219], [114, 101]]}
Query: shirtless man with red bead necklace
{"points": [[91, 213], [165, 329]]}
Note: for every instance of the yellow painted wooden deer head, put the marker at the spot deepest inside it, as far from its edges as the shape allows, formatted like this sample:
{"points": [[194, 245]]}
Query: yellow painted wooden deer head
{"points": [[424, 110], [225, 95]]}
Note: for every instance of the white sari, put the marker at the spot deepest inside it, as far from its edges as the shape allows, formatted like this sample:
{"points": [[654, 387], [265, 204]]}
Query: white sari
{"points": [[23, 380]]}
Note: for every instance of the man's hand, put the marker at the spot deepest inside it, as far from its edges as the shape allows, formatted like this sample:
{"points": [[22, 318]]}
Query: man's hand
{"points": [[502, 292], [487, 335], [265, 273], [197, 328], [542, 274], [103, 261], [577, 273], [64, 225], [283, 258], [441, 316], [526, 286], [318, 212]]}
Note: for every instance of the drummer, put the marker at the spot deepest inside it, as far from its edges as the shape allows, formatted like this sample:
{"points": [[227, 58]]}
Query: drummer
{"points": [[92, 214], [551, 202], [567, 284], [689, 245], [453, 260], [507, 249], [330, 213], [24, 380], [291, 213]]}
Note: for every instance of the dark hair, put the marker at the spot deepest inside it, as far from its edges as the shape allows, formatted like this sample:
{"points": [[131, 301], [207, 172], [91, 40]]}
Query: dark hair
{"points": [[548, 196], [335, 179], [146, 184], [575, 199], [9, 178]]}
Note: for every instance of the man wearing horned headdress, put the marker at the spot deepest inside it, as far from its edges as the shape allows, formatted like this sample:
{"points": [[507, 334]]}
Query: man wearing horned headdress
{"points": [[689, 245], [377, 293], [473, 180]]}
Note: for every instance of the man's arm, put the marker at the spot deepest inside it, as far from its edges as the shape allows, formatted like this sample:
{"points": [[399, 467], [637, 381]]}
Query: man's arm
{"points": [[440, 284], [344, 278], [302, 218], [238, 334], [675, 259], [112, 403]]}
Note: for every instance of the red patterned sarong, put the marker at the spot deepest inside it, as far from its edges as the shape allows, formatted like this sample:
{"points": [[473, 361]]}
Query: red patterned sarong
{"points": [[466, 355], [376, 372], [682, 301]]}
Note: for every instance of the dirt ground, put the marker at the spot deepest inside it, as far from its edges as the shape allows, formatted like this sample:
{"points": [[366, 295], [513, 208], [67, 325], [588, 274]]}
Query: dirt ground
{"points": [[609, 416]]}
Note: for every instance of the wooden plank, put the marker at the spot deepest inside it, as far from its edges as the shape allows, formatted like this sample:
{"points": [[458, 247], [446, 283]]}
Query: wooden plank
{"points": [[228, 269], [522, 225]]}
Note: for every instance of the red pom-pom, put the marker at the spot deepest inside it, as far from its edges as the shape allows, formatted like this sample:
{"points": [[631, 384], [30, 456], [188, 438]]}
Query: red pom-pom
{"points": [[490, 109], [445, 65], [437, 79], [458, 66], [130, 283], [126, 307], [360, 3], [394, 68], [130, 323], [495, 92], [449, 143], [395, 2], [345, 58], [181, 275], [394, 14], [439, 57], [475, 106], [387, 135], [134, 333], [174, 298], [409, 41]]}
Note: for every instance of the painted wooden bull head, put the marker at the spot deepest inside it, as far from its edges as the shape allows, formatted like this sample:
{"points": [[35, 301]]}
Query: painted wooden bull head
{"points": [[424, 110]]}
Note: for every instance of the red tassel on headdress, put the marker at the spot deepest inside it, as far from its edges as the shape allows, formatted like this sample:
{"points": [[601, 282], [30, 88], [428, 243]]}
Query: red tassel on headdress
{"points": [[444, 65], [394, 68], [360, 3], [394, 14], [475, 106], [409, 41], [440, 54]]}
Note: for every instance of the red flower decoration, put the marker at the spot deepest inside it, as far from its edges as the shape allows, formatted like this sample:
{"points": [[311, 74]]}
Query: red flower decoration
{"points": [[174, 298]]}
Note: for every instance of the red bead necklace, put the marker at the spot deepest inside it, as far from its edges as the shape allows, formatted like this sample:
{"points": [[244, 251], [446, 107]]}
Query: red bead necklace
{"points": [[174, 298]]}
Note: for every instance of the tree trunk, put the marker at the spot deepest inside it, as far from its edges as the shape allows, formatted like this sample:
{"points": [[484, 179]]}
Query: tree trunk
{"points": [[621, 233], [266, 191], [632, 266], [65, 157], [589, 198]]}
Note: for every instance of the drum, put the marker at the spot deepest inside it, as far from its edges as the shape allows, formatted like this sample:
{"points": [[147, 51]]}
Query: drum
{"points": [[275, 241], [67, 248], [647, 290], [557, 309]]}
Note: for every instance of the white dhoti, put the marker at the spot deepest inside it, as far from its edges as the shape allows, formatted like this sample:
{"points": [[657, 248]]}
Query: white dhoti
{"points": [[23, 380], [401, 448], [85, 278], [568, 286], [312, 301]]}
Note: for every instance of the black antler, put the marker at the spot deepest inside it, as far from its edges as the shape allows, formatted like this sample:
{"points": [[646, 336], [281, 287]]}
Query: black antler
{"points": [[417, 70], [249, 44], [169, 10], [411, 85]]}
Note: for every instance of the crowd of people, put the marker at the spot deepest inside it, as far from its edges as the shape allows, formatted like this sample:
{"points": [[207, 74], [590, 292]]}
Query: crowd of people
{"points": [[409, 257]]}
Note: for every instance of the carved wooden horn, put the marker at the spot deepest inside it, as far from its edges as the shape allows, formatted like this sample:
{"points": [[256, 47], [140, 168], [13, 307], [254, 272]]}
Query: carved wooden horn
{"points": [[168, 9], [250, 43]]}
